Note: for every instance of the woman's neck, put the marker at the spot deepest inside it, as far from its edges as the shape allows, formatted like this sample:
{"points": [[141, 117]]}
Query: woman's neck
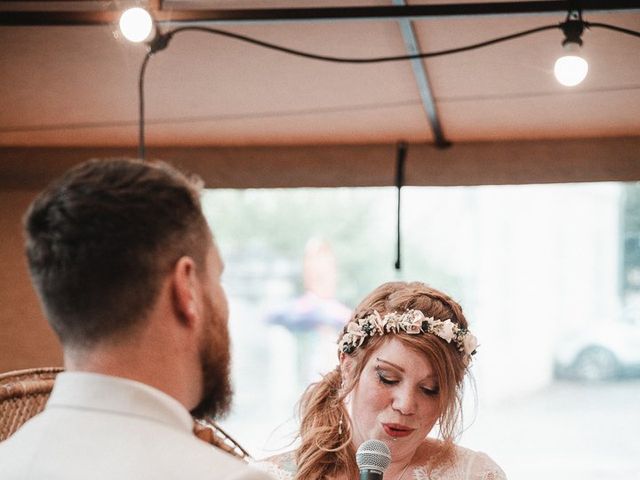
{"points": [[399, 471], [402, 468]]}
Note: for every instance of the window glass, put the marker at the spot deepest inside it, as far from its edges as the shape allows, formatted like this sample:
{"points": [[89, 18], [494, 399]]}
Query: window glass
{"points": [[548, 275]]}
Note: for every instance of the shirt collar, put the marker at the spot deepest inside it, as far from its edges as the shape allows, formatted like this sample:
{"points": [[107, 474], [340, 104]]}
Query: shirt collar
{"points": [[93, 391]]}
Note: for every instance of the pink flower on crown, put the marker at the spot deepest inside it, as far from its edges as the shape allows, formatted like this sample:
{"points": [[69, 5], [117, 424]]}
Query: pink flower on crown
{"points": [[413, 328], [469, 343]]}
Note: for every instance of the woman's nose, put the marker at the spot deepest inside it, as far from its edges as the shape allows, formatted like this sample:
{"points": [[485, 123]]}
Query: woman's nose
{"points": [[404, 401]]}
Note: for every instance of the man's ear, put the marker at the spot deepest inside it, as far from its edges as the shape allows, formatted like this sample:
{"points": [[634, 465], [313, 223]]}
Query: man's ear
{"points": [[184, 285]]}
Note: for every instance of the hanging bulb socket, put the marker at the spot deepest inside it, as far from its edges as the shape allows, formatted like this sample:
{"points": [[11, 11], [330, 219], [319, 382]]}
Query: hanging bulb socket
{"points": [[572, 27], [159, 42], [572, 30]]}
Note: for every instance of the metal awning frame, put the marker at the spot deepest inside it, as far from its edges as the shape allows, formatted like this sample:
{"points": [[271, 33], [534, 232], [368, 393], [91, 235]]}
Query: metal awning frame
{"points": [[13, 13]]}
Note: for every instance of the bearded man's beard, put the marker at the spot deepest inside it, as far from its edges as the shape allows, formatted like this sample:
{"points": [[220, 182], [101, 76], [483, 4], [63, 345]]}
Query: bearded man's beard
{"points": [[215, 360]]}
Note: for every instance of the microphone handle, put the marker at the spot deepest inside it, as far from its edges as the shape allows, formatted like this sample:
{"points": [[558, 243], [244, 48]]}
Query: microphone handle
{"points": [[370, 475]]}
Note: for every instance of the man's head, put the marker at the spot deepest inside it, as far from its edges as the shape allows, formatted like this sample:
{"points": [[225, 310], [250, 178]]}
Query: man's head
{"points": [[102, 240]]}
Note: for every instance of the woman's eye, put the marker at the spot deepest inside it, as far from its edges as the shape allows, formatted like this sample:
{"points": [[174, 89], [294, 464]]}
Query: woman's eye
{"points": [[385, 380], [430, 392]]}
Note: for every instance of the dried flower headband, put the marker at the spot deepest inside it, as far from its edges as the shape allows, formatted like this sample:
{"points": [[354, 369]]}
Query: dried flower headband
{"points": [[412, 322]]}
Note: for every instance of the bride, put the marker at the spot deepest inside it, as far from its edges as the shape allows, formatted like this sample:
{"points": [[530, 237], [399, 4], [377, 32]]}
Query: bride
{"points": [[402, 360]]}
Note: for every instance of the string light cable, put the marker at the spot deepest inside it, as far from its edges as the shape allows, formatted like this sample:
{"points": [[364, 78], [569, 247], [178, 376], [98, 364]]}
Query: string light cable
{"points": [[161, 42]]}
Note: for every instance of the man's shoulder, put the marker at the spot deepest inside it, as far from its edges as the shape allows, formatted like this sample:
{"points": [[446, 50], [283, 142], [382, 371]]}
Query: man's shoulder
{"points": [[206, 459], [199, 461], [133, 449]]}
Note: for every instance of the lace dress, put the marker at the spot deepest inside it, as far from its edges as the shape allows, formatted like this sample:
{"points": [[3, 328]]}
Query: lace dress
{"points": [[468, 465]]}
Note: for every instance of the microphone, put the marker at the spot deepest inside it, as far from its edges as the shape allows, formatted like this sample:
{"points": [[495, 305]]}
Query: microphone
{"points": [[373, 457]]}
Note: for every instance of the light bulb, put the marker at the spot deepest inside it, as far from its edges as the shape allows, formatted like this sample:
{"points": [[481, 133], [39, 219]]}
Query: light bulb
{"points": [[571, 69], [136, 24]]}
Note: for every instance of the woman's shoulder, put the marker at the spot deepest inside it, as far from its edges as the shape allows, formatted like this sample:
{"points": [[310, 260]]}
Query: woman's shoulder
{"points": [[463, 464], [281, 466], [479, 465]]}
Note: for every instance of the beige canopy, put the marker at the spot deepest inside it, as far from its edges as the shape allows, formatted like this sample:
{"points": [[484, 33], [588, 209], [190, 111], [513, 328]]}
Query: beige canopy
{"points": [[245, 116]]}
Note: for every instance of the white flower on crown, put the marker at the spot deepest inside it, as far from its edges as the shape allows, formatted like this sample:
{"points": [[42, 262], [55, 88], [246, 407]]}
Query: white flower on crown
{"points": [[414, 316], [354, 328], [378, 322], [469, 343], [411, 322], [354, 335], [391, 322], [445, 329], [375, 322]]}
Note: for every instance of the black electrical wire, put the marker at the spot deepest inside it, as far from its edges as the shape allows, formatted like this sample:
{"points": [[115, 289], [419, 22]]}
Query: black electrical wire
{"points": [[612, 27], [162, 41], [143, 68], [401, 159], [328, 58]]}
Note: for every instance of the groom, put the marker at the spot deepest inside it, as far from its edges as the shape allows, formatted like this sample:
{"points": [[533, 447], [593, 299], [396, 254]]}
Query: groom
{"points": [[129, 278]]}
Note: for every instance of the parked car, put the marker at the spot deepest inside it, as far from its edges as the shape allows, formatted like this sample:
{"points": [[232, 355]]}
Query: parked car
{"points": [[610, 351]]}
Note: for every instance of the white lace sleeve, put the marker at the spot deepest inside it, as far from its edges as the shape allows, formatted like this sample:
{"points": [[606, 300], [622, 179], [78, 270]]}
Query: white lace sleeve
{"points": [[280, 467], [481, 467], [273, 470], [468, 465]]}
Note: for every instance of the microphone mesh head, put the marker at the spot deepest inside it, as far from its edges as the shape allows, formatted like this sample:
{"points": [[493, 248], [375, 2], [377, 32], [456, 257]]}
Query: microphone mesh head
{"points": [[373, 455]]}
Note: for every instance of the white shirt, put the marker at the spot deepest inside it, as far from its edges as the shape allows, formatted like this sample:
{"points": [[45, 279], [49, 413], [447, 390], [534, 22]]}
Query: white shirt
{"points": [[101, 427]]}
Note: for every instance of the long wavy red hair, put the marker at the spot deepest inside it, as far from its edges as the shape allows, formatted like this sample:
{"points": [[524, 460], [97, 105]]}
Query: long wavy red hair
{"points": [[326, 449]]}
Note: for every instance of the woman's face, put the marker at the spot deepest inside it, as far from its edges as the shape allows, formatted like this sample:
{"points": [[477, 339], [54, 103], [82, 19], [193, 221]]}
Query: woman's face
{"points": [[395, 399]]}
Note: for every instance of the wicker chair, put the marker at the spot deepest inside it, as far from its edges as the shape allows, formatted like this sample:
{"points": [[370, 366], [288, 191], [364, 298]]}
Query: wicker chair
{"points": [[24, 393]]}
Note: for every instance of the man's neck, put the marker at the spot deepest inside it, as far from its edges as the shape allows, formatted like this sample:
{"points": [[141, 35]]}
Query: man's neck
{"points": [[137, 363]]}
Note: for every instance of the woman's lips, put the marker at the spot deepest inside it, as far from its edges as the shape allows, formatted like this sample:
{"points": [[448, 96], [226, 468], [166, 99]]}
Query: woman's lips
{"points": [[395, 430]]}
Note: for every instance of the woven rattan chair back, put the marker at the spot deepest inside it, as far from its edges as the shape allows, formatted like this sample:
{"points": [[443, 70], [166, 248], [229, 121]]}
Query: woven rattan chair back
{"points": [[24, 393]]}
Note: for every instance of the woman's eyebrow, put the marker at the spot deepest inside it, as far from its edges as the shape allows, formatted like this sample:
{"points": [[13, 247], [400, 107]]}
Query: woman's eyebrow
{"points": [[397, 367], [431, 376]]}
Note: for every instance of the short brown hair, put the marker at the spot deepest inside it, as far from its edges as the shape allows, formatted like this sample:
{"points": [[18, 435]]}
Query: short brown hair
{"points": [[101, 238]]}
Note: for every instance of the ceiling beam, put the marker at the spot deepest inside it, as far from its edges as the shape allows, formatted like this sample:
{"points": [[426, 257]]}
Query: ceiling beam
{"points": [[174, 12], [463, 164], [422, 80]]}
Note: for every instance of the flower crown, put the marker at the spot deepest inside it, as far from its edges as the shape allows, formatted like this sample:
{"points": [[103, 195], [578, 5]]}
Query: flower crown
{"points": [[412, 322]]}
